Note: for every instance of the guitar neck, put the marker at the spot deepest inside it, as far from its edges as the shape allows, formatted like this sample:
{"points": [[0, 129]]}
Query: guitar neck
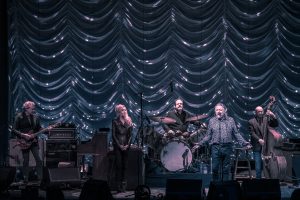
{"points": [[34, 134], [39, 132]]}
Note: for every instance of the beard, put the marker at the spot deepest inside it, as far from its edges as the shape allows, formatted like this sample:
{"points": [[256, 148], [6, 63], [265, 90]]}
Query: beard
{"points": [[260, 116], [219, 115]]}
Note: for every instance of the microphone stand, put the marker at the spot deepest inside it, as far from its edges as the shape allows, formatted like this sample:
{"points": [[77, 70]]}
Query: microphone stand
{"points": [[142, 120], [140, 136]]}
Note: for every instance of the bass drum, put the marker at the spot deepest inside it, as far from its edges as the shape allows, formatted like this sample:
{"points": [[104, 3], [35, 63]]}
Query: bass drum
{"points": [[176, 155]]}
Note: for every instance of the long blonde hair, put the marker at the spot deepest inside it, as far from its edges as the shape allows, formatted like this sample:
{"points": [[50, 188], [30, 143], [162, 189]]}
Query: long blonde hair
{"points": [[118, 110]]}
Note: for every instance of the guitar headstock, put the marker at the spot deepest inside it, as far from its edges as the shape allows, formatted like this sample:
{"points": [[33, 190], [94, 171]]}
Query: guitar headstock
{"points": [[54, 125]]}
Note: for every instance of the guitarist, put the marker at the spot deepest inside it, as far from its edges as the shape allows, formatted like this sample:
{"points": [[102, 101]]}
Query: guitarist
{"points": [[258, 127], [25, 123]]}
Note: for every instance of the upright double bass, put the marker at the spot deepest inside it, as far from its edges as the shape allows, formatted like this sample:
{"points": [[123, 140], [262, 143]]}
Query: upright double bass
{"points": [[274, 162]]}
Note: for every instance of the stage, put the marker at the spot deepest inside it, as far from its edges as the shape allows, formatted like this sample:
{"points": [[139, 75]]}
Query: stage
{"points": [[156, 184]]}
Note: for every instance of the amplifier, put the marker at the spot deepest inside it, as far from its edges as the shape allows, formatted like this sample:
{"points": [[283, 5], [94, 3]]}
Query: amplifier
{"points": [[61, 151], [62, 133], [61, 145]]}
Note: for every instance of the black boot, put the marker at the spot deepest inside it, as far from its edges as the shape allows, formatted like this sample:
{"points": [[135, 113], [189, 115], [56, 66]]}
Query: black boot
{"points": [[124, 186], [119, 186]]}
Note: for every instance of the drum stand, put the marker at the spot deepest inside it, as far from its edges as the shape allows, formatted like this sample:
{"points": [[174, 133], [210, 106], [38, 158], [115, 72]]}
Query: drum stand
{"points": [[201, 159]]}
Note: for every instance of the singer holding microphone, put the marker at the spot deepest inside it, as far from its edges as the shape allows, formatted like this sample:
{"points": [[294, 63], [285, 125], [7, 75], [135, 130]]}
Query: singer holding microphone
{"points": [[121, 135], [220, 135]]}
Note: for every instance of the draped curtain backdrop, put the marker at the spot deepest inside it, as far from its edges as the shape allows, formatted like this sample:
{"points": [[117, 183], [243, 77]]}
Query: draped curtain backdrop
{"points": [[77, 59]]}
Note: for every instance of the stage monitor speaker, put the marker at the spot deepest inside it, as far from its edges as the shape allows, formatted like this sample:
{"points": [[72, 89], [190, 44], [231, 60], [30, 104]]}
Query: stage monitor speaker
{"points": [[227, 190], [15, 154], [296, 194], [62, 176], [7, 176], [94, 190], [30, 193], [261, 189], [54, 193], [183, 189]]}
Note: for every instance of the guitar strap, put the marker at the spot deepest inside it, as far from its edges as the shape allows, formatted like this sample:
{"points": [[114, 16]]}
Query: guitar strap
{"points": [[34, 121]]}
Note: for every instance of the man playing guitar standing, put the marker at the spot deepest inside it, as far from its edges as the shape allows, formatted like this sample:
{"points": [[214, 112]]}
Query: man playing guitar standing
{"points": [[27, 122]]}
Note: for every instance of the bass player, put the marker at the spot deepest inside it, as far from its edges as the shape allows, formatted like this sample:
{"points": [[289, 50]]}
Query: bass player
{"points": [[258, 128]]}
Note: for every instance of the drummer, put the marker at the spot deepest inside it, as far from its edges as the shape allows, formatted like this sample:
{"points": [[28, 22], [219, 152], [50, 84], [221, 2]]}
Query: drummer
{"points": [[179, 128]]}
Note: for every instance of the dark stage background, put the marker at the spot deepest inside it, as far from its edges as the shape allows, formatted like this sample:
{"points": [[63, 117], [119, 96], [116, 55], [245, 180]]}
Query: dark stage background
{"points": [[78, 59]]}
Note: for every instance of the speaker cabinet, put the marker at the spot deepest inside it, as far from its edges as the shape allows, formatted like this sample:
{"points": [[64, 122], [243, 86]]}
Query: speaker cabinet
{"points": [[261, 189], [296, 194], [227, 190], [183, 189], [7, 176], [292, 158], [15, 154], [94, 190], [60, 176], [30, 193], [61, 151]]}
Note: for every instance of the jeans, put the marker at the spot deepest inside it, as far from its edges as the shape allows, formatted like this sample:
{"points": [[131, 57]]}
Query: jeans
{"points": [[221, 161], [258, 163], [39, 164]]}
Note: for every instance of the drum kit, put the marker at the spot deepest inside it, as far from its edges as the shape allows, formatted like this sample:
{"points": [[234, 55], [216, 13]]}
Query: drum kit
{"points": [[174, 153]]}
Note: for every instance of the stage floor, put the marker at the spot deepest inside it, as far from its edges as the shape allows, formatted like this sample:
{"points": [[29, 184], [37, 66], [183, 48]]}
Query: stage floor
{"points": [[156, 193]]}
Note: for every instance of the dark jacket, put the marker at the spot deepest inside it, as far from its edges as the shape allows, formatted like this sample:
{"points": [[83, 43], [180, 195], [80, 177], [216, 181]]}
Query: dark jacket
{"points": [[121, 134], [24, 124], [181, 124], [260, 131]]}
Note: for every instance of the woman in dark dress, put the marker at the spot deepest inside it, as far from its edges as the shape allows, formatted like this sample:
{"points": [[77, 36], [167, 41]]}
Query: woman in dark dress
{"points": [[121, 135]]}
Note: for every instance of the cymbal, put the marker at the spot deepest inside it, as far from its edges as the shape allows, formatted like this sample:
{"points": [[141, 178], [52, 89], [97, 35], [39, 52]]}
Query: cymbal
{"points": [[165, 120], [197, 117]]}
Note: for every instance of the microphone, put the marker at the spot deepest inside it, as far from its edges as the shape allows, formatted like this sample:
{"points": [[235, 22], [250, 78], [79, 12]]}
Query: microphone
{"points": [[171, 86]]}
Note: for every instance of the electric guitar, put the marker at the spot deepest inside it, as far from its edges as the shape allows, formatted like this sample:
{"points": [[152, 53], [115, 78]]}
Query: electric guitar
{"points": [[26, 142]]}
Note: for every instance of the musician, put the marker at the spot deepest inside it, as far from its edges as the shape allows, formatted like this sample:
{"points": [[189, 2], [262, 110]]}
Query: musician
{"points": [[25, 122], [121, 135], [179, 128], [258, 127], [220, 134]]}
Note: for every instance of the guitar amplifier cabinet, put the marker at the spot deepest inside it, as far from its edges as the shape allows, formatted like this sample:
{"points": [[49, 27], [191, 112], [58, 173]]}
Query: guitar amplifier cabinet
{"points": [[15, 157], [62, 133], [292, 171], [61, 151]]}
